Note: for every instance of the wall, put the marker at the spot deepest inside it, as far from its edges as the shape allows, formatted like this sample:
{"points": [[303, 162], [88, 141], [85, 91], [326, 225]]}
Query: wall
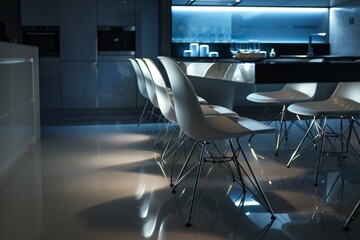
{"points": [[10, 17], [345, 29]]}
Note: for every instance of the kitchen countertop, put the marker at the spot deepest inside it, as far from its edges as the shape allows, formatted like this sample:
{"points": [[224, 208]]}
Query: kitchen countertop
{"points": [[286, 69]]}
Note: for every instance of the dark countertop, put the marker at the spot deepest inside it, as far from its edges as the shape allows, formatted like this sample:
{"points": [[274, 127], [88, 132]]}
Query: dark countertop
{"points": [[293, 72], [282, 58], [293, 68]]}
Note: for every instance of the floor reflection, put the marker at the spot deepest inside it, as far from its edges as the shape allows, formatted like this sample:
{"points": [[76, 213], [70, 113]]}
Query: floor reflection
{"points": [[105, 182]]}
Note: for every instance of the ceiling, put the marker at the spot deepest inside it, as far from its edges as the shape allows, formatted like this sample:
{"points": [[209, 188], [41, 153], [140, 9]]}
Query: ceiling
{"points": [[263, 3]]}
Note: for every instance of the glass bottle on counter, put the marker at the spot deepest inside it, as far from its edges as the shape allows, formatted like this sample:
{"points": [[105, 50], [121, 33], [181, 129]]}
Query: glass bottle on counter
{"points": [[272, 53]]}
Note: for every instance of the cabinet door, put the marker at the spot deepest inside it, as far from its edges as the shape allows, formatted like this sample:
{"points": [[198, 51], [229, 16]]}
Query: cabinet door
{"points": [[39, 12], [50, 83], [78, 31], [147, 27], [117, 85], [79, 85], [116, 13]]}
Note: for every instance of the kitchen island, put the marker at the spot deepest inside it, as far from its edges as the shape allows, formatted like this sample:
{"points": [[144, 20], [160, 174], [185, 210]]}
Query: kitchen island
{"points": [[228, 81], [19, 104]]}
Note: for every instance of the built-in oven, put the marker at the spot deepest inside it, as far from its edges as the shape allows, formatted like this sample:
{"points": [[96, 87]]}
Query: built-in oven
{"points": [[116, 40], [46, 38]]}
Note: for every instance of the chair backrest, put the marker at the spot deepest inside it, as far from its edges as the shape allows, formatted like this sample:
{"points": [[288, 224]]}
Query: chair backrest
{"points": [[349, 90], [198, 69], [306, 88], [229, 74], [188, 111], [162, 92], [139, 78], [148, 82], [217, 70]]}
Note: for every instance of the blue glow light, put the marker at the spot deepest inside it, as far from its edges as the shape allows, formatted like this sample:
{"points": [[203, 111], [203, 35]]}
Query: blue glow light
{"points": [[206, 9], [267, 24]]}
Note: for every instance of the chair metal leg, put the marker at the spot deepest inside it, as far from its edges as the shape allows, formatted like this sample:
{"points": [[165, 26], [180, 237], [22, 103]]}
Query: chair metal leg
{"points": [[181, 175], [322, 137], [257, 185], [167, 144], [159, 133], [181, 140], [143, 112], [278, 135], [200, 165], [296, 152]]}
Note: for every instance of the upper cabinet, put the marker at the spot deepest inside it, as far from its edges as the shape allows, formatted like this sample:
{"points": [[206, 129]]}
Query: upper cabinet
{"points": [[257, 3], [147, 28], [78, 31], [39, 12], [116, 13]]}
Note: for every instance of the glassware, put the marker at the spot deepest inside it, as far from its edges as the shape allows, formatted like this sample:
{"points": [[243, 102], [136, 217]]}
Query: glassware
{"points": [[256, 46], [234, 48], [212, 37], [242, 47], [253, 46]]}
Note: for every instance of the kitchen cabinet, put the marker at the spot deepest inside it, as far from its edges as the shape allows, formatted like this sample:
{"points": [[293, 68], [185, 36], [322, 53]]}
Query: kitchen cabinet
{"points": [[117, 84], [116, 13], [50, 83], [78, 54], [79, 85], [39, 12], [78, 30], [79, 78], [147, 29]]}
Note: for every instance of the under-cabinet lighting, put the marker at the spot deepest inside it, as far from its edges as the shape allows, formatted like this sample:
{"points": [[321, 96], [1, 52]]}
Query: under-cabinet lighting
{"points": [[248, 9]]}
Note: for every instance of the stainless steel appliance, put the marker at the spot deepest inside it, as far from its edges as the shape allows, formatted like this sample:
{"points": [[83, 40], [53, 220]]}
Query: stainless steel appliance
{"points": [[116, 39], [46, 38]]}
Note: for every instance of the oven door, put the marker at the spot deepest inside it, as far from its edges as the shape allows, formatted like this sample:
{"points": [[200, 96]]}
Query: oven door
{"points": [[116, 40], [45, 38]]}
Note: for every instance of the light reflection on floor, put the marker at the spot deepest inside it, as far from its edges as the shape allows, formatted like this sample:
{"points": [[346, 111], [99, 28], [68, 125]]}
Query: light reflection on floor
{"points": [[105, 182]]}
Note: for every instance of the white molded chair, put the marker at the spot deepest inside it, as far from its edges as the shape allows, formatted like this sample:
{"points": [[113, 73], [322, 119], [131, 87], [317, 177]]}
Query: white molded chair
{"points": [[217, 70], [205, 130], [141, 86], [150, 88], [198, 69], [164, 96], [290, 93], [343, 103], [166, 104]]}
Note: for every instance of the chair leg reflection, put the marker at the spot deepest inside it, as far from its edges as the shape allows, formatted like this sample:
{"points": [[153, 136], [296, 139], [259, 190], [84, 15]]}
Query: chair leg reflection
{"points": [[354, 214]]}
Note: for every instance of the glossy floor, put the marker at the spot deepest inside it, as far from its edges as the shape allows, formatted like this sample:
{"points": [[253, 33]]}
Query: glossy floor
{"points": [[107, 182]]}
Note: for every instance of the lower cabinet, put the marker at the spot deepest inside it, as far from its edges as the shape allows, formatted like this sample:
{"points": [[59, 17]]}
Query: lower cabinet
{"points": [[50, 83], [101, 85], [117, 84], [79, 85]]}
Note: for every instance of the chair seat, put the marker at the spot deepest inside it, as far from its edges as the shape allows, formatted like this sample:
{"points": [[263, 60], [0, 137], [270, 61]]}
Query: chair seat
{"points": [[281, 96], [200, 99], [228, 127], [209, 110], [333, 106], [239, 126]]}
